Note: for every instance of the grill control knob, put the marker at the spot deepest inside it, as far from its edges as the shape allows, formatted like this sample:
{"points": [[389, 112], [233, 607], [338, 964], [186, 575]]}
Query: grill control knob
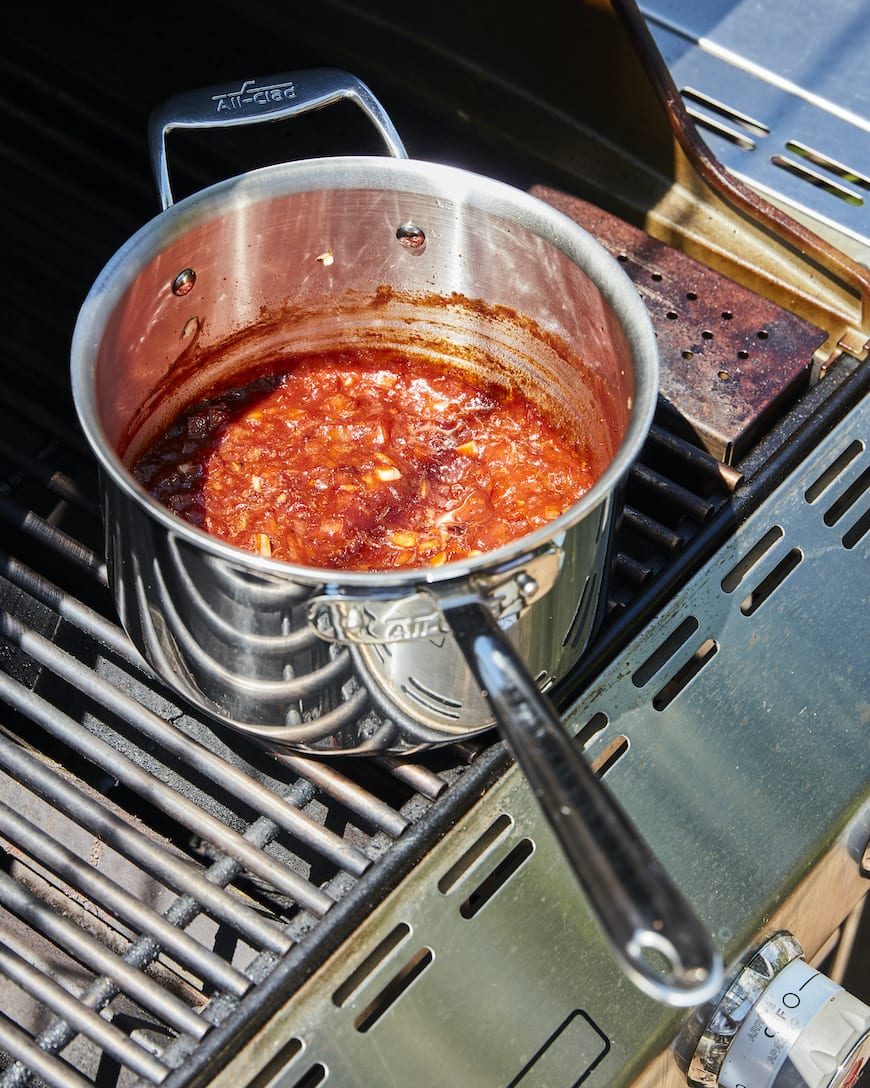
{"points": [[782, 1024]]}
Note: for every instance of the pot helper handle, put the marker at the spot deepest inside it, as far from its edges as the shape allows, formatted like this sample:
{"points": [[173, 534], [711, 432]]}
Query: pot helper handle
{"points": [[664, 947], [254, 101]]}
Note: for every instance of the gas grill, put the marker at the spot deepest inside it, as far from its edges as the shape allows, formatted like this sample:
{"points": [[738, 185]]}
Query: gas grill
{"points": [[181, 906]]}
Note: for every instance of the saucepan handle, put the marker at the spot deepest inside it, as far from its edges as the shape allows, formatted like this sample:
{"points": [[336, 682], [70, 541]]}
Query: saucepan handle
{"points": [[253, 101], [666, 950]]}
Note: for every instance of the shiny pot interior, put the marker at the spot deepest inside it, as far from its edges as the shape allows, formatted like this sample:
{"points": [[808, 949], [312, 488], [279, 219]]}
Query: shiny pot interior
{"points": [[314, 255]]}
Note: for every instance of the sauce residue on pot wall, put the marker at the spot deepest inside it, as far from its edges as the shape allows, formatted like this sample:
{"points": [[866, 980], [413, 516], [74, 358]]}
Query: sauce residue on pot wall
{"points": [[485, 337]]}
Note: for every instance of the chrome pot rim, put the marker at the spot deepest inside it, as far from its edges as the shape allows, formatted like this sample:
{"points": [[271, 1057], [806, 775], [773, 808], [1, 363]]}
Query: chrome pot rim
{"points": [[472, 192]]}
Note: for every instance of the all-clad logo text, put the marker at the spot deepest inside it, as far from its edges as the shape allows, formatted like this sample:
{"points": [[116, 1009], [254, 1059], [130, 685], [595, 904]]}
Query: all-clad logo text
{"points": [[408, 619], [250, 94]]}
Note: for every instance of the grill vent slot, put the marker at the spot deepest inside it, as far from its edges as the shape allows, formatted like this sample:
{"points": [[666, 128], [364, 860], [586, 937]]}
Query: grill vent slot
{"points": [[841, 506], [833, 472], [316, 1075], [497, 879], [611, 755], [378, 956], [730, 113], [290, 1050], [739, 571], [818, 158], [771, 582], [740, 127], [596, 724], [819, 181], [702, 656], [664, 652], [395, 988], [857, 531], [472, 856]]}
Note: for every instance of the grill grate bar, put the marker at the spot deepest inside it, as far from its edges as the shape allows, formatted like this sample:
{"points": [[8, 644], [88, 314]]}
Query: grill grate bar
{"points": [[32, 410], [695, 457], [71, 609], [168, 801], [88, 950], [143, 952], [130, 909], [681, 497], [652, 529], [123, 837], [416, 776], [344, 790], [30, 1058], [224, 774], [85, 1020], [52, 479], [632, 569], [56, 539]]}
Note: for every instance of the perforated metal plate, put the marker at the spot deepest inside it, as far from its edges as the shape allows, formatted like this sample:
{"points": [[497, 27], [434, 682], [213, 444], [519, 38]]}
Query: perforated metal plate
{"points": [[731, 360]]}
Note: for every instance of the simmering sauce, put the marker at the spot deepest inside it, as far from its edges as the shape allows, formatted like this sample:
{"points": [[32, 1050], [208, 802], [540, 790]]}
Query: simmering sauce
{"points": [[366, 460]]}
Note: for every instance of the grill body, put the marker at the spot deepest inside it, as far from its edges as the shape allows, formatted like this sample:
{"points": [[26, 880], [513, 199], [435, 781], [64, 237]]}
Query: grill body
{"points": [[182, 907]]}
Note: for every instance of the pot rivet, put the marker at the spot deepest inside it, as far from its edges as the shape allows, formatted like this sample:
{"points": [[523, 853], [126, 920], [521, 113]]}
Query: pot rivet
{"points": [[527, 585], [184, 282], [411, 237]]}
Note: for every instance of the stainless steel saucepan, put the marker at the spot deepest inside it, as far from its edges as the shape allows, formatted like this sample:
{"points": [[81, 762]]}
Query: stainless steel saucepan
{"points": [[347, 251]]}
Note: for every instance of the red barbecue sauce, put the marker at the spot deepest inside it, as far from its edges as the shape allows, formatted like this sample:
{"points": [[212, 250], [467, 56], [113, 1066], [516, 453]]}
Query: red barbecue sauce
{"points": [[366, 460]]}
